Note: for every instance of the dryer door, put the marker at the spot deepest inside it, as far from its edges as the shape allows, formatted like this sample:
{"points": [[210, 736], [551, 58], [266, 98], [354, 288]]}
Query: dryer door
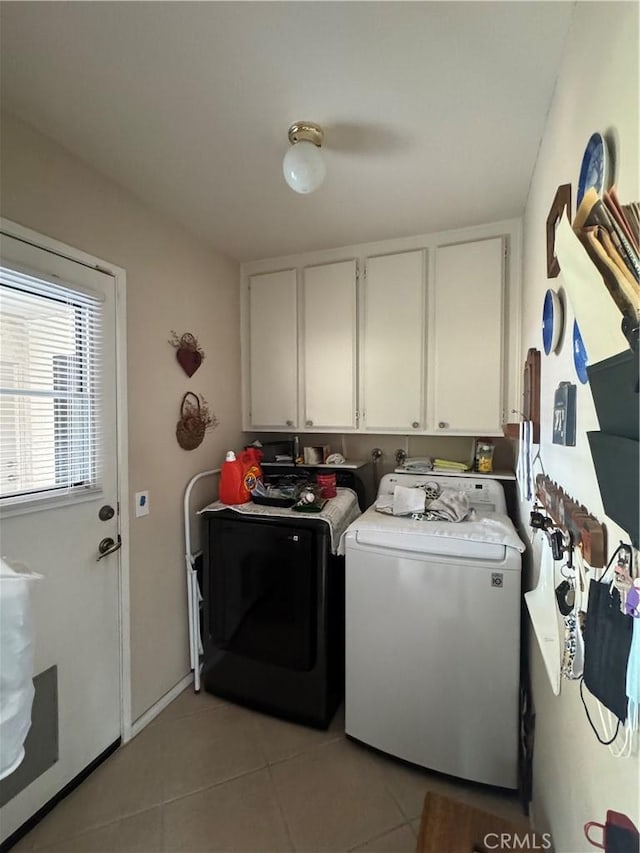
{"points": [[261, 592]]}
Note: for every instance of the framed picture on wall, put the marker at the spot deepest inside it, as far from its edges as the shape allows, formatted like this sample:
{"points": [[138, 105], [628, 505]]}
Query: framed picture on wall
{"points": [[564, 414], [561, 202]]}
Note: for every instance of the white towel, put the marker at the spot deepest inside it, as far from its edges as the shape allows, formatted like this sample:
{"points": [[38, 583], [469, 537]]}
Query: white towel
{"points": [[403, 501], [451, 505]]}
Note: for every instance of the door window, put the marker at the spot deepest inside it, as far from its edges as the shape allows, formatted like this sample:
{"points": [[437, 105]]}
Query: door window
{"points": [[49, 388]]}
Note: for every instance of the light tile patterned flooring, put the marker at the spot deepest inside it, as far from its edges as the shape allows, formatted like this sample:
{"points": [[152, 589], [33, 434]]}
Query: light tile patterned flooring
{"points": [[207, 775]]}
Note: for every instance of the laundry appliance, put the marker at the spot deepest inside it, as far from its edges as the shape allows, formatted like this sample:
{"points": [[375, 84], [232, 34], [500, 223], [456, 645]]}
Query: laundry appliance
{"points": [[273, 603], [433, 633]]}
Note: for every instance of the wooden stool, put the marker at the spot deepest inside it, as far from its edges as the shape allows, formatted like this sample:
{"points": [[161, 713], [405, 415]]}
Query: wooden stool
{"points": [[449, 826]]}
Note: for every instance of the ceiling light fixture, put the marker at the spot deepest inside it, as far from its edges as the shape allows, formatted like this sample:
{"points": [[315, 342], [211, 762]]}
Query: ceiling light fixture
{"points": [[303, 164]]}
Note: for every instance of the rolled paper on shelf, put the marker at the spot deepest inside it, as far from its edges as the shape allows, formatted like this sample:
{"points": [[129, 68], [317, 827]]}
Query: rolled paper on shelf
{"points": [[597, 314]]}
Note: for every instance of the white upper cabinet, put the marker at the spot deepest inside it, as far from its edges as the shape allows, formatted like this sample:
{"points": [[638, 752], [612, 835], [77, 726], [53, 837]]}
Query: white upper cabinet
{"points": [[328, 344], [392, 333], [272, 350], [467, 315], [418, 335]]}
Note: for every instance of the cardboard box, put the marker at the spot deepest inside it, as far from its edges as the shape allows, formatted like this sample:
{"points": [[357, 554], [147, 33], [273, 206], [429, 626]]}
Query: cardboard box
{"points": [[316, 455]]}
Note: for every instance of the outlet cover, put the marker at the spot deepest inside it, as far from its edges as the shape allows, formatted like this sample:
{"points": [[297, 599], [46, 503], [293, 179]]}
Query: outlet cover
{"points": [[142, 504]]}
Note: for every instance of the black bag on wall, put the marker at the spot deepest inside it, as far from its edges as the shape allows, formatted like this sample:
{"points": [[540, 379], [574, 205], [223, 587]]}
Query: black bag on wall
{"points": [[607, 641]]}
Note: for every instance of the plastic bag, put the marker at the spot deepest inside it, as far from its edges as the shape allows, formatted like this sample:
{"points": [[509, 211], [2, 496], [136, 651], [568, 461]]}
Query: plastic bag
{"points": [[16, 665]]}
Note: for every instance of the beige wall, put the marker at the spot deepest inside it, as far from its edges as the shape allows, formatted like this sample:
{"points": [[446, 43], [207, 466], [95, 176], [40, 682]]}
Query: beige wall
{"points": [[575, 778], [173, 282]]}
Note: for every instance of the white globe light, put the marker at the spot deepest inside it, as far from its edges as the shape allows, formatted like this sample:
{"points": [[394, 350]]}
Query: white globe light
{"points": [[303, 167]]}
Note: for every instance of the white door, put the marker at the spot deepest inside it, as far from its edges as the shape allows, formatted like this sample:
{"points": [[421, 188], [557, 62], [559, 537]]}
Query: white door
{"points": [[468, 337], [393, 342], [273, 350], [58, 415], [329, 346]]}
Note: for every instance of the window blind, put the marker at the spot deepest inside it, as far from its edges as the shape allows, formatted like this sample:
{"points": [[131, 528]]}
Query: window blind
{"points": [[50, 381]]}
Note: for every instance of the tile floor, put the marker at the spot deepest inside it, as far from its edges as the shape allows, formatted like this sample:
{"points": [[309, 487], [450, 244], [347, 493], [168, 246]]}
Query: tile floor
{"points": [[207, 775]]}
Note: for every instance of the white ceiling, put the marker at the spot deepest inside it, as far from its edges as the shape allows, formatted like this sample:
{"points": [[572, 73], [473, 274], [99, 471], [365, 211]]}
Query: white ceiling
{"points": [[433, 111]]}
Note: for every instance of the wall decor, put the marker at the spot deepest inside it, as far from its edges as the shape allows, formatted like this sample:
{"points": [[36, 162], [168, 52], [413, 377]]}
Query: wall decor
{"points": [[580, 355], [597, 314], [564, 414], [561, 202], [530, 398], [190, 354], [195, 419], [602, 227], [552, 321], [595, 167]]}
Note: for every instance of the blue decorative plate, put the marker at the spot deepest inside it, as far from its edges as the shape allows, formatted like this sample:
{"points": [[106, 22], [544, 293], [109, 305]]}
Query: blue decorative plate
{"points": [[580, 357], [593, 172], [552, 321]]}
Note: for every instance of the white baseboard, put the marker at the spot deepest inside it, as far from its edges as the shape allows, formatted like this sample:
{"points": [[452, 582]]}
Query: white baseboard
{"points": [[159, 706]]}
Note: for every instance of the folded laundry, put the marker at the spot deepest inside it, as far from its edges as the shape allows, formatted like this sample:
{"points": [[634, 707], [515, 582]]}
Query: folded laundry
{"points": [[403, 501], [449, 464], [451, 505]]}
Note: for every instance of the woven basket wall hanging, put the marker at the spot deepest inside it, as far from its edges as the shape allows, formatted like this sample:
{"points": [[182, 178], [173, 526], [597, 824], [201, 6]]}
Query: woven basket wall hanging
{"points": [[195, 419]]}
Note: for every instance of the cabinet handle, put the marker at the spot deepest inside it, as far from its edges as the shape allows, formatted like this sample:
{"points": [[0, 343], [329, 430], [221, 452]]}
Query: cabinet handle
{"points": [[415, 424], [308, 423], [289, 423], [443, 424]]}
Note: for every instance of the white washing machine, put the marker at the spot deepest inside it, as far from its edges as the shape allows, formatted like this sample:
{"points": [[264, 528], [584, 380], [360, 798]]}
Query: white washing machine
{"points": [[433, 634]]}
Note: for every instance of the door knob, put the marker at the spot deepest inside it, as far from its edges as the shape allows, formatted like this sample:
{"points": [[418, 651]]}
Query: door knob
{"points": [[106, 513], [443, 424], [108, 546], [289, 423], [415, 424], [308, 423]]}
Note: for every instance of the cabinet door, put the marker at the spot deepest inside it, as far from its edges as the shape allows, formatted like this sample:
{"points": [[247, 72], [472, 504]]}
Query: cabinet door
{"points": [[273, 356], [393, 345], [468, 337], [329, 346]]}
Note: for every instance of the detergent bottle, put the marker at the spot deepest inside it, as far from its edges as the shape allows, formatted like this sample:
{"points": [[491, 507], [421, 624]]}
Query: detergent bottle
{"points": [[250, 459], [232, 488]]}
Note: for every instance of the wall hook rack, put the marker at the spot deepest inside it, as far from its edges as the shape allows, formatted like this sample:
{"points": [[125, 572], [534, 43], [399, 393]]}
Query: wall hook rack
{"points": [[561, 541], [581, 528]]}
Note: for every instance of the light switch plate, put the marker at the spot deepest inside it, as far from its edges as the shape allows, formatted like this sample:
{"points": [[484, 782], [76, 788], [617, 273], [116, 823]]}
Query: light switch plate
{"points": [[142, 504]]}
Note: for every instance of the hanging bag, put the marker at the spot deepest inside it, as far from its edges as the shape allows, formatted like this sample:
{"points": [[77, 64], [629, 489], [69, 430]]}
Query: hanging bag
{"points": [[607, 641]]}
